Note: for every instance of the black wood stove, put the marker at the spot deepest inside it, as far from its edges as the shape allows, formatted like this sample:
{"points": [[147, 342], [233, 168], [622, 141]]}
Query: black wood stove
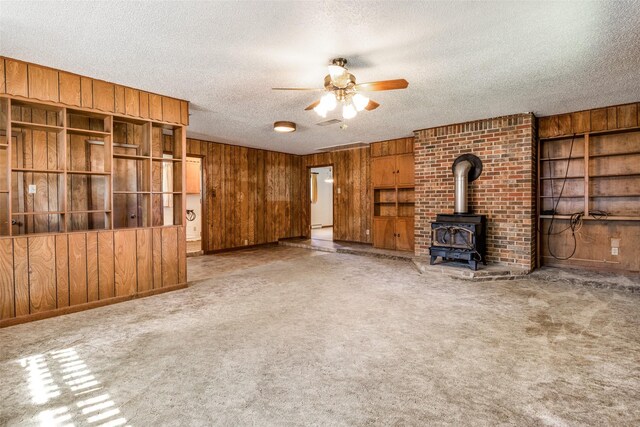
{"points": [[459, 237], [462, 235]]}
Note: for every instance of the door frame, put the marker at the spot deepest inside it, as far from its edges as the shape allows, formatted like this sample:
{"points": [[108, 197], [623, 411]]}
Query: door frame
{"points": [[308, 193], [204, 233]]}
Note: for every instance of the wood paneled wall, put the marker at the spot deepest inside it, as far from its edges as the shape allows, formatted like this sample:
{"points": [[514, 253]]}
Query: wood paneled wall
{"points": [[47, 275], [252, 196], [25, 80], [352, 194]]}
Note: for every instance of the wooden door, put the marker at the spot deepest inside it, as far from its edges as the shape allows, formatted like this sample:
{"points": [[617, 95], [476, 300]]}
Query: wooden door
{"points": [[383, 171], [405, 170], [384, 233], [404, 234]]}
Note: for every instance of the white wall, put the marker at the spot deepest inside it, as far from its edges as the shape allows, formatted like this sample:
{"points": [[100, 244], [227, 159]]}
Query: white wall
{"points": [[322, 210]]}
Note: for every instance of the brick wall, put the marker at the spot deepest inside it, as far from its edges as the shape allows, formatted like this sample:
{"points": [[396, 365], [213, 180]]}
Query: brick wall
{"points": [[505, 192]]}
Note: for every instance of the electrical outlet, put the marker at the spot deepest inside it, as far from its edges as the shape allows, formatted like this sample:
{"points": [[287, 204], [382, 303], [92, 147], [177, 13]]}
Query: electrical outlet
{"points": [[614, 251], [32, 189], [367, 232], [338, 190], [246, 242]]}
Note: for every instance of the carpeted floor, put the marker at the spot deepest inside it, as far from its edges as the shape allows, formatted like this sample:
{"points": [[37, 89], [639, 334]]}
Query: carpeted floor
{"points": [[288, 336]]}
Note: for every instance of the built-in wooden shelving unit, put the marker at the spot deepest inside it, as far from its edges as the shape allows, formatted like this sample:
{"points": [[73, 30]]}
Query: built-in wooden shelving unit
{"points": [[65, 169]]}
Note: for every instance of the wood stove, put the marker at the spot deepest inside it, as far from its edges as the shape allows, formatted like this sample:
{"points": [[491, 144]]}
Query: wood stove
{"points": [[462, 235], [459, 237]]}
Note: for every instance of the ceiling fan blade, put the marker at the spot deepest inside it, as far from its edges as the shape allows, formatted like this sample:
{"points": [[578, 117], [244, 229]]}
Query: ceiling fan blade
{"points": [[372, 105], [383, 85], [297, 88], [312, 106]]}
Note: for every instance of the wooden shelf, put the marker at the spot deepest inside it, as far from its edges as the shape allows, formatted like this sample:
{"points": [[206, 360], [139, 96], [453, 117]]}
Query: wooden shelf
{"points": [[163, 159], [37, 213], [595, 196], [88, 173], [129, 156], [591, 218], [619, 175], [561, 177], [133, 192], [37, 170], [36, 126], [563, 197], [88, 132], [628, 153], [89, 211], [553, 159], [169, 192]]}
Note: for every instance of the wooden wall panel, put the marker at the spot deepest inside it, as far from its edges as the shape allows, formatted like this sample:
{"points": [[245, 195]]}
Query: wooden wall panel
{"points": [[42, 273], [596, 120], [62, 270], [144, 258], [169, 257], [93, 293], [43, 83], [182, 260], [7, 308], [184, 113], [16, 78], [69, 89], [46, 84], [119, 104], [170, 110], [106, 284], [125, 262], [21, 275], [3, 88], [155, 106], [103, 96], [131, 102], [252, 195], [144, 105], [391, 147], [77, 268], [86, 92], [157, 258]]}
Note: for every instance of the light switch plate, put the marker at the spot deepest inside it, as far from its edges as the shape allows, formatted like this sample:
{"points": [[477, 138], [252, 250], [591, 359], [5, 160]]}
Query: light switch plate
{"points": [[32, 189], [614, 251]]}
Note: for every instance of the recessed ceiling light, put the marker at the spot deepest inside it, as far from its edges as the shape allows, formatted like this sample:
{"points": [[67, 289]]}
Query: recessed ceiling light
{"points": [[284, 127]]}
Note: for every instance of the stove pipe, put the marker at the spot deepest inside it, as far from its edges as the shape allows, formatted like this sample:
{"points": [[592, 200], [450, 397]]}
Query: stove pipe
{"points": [[461, 174], [466, 168]]}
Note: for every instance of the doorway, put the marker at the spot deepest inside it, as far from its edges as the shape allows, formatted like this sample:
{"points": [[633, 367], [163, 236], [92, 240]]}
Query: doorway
{"points": [[321, 182], [194, 205]]}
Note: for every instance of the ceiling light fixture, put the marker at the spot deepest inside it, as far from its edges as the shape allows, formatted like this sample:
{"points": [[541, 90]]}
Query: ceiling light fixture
{"points": [[284, 127]]}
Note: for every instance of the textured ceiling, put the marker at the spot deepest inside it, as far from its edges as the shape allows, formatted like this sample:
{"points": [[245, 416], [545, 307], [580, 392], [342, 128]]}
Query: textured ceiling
{"points": [[463, 60]]}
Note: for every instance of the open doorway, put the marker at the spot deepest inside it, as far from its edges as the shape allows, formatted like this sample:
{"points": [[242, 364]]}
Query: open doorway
{"points": [[194, 205], [322, 203]]}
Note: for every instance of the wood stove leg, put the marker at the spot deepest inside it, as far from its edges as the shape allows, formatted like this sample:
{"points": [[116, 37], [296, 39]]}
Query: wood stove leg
{"points": [[474, 264], [433, 260]]}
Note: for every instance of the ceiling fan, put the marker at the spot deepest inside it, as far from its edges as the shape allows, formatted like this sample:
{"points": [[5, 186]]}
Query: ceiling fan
{"points": [[341, 87]]}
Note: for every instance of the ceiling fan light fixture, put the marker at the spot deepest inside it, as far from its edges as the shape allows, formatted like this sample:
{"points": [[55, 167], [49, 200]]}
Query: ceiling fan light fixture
{"points": [[349, 111], [329, 101], [284, 127], [360, 101], [320, 110], [336, 71]]}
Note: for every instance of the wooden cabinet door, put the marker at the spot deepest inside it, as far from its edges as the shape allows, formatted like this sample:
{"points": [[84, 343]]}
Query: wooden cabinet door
{"points": [[404, 234], [405, 168], [383, 171], [384, 233]]}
